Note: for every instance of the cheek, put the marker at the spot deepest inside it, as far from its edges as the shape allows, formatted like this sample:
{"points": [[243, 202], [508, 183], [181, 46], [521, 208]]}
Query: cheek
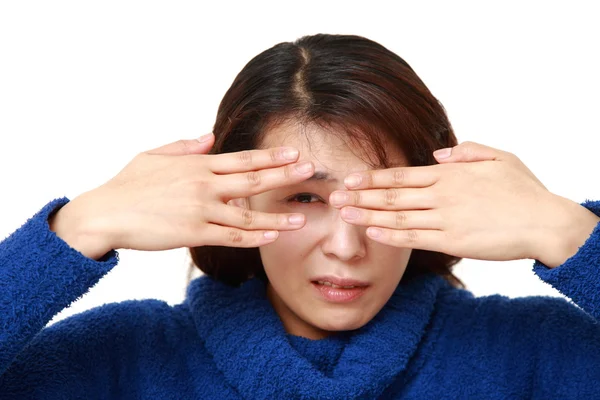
{"points": [[291, 247], [390, 262]]}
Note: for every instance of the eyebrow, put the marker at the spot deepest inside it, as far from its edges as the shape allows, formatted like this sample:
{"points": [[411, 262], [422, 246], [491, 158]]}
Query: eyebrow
{"points": [[321, 176]]}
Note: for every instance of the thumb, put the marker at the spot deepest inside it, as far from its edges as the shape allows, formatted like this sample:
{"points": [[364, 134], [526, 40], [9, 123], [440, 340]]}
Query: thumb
{"points": [[183, 147], [469, 152]]}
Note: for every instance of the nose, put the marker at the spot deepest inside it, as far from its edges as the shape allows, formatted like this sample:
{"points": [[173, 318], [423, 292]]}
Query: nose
{"points": [[343, 240]]}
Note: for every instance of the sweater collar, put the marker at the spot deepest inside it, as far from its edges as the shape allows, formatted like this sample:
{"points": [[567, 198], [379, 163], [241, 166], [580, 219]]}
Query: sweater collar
{"points": [[249, 345]]}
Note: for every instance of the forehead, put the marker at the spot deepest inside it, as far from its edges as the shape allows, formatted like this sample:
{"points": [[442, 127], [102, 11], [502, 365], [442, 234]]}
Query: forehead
{"points": [[326, 147]]}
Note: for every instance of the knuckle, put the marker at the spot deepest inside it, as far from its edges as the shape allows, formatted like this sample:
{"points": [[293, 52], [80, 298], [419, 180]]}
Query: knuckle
{"points": [[390, 197], [245, 157], [199, 222], [247, 217], [253, 178], [468, 144], [185, 146], [199, 189], [369, 179], [513, 156], [358, 200], [470, 149], [234, 236], [367, 217], [411, 236], [140, 158], [182, 144], [464, 150], [400, 219], [404, 237], [287, 172], [399, 176], [281, 219], [274, 154]]}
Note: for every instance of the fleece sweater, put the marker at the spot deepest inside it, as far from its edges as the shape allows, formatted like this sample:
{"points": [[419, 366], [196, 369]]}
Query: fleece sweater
{"points": [[430, 340]]}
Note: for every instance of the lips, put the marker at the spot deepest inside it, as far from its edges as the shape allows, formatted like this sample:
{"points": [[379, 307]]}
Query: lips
{"points": [[339, 295], [336, 282]]}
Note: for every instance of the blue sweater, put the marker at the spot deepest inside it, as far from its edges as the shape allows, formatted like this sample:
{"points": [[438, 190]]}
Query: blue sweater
{"points": [[430, 341]]}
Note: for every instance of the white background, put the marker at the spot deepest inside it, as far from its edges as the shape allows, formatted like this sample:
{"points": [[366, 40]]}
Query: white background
{"points": [[85, 86]]}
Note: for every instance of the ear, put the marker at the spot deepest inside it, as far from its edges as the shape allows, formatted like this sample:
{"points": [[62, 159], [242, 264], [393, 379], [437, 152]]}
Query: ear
{"points": [[241, 202]]}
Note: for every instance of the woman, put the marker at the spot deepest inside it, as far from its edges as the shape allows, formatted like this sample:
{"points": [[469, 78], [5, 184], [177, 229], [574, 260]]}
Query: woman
{"points": [[327, 230]]}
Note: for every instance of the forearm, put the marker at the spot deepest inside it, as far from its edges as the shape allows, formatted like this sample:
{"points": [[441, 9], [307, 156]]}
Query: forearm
{"points": [[40, 275], [578, 278]]}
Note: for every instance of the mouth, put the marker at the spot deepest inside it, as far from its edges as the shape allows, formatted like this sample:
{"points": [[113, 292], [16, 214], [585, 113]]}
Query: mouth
{"points": [[339, 283], [338, 293]]}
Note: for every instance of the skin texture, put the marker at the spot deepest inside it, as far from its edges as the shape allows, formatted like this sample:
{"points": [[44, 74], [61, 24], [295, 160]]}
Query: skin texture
{"points": [[174, 196], [480, 203], [326, 245]]}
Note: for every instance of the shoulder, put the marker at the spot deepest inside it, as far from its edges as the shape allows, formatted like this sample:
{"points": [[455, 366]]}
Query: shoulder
{"points": [[503, 308], [102, 348], [513, 320], [123, 325], [516, 337], [127, 311]]}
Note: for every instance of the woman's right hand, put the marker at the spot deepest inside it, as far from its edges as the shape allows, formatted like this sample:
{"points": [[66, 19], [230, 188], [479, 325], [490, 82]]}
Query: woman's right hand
{"points": [[177, 196]]}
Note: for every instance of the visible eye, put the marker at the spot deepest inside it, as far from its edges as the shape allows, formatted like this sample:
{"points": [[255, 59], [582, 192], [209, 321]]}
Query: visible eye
{"points": [[303, 198]]}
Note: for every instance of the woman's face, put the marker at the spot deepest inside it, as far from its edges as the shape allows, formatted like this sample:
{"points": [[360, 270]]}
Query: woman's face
{"points": [[326, 245]]}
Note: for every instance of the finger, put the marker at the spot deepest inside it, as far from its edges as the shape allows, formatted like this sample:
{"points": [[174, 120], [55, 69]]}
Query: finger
{"points": [[383, 199], [393, 177], [216, 235], [470, 152], [252, 160], [424, 219], [431, 240], [184, 147], [244, 218], [254, 182]]}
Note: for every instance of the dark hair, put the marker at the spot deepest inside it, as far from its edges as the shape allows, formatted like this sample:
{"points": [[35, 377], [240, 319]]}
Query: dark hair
{"points": [[348, 82]]}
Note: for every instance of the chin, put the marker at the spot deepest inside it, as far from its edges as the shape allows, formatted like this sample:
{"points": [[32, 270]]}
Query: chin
{"points": [[340, 323]]}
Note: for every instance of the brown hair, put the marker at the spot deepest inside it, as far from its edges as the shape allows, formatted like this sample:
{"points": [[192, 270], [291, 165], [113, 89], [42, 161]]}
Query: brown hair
{"points": [[342, 81]]}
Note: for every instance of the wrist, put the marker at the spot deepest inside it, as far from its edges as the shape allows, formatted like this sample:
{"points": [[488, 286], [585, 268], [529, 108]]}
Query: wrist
{"points": [[570, 227], [73, 226]]}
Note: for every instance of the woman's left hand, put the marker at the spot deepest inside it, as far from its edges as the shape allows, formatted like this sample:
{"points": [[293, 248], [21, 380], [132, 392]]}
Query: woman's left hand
{"points": [[480, 203]]}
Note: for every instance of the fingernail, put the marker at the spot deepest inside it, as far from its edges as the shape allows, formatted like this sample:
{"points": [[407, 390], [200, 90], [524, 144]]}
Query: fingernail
{"points": [[296, 219], [270, 235], [352, 180], [350, 213], [374, 232], [304, 167], [443, 153], [339, 198], [290, 154], [204, 138]]}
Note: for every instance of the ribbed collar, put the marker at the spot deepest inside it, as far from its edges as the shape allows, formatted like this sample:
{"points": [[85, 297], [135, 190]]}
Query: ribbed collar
{"points": [[249, 345], [324, 353]]}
